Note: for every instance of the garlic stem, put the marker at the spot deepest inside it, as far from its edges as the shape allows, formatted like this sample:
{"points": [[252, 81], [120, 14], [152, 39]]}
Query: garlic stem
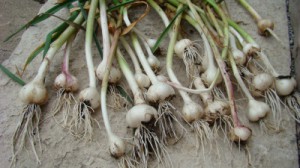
{"points": [[205, 97], [137, 31], [241, 31], [132, 55], [104, 29], [88, 43], [238, 36], [138, 98], [238, 78], [232, 42], [209, 54], [139, 51], [143, 60], [104, 84], [65, 65], [66, 61], [251, 10], [219, 58], [230, 22], [215, 22]]}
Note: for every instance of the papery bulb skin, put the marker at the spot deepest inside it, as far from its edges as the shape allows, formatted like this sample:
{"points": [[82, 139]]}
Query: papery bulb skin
{"points": [[239, 57], [154, 63], [34, 92], [60, 81], [250, 49], [90, 96], [151, 42], [285, 87], [180, 47], [262, 81], [116, 147], [209, 76], [240, 133], [67, 82], [192, 111], [263, 26], [140, 113], [159, 92], [257, 110], [218, 107], [142, 80], [114, 73], [162, 78], [72, 84]]}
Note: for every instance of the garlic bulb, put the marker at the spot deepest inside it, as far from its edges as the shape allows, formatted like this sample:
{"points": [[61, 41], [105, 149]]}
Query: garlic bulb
{"points": [[285, 86], [192, 111], [140, 113], [240, 133], [159, 92], [262, 81], [180, 47], [34, 92], [90, 96], [257, 110], [114, 73], [117, 146], [263, 26]]}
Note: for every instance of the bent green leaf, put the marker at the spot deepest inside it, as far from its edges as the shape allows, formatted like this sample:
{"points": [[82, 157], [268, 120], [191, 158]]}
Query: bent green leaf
{"points": [[12, 76]]}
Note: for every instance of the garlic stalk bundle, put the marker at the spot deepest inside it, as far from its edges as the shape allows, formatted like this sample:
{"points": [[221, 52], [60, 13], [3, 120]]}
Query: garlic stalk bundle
{"points": [[158, 94], [142, 118], [192, 112], [246, 132]]}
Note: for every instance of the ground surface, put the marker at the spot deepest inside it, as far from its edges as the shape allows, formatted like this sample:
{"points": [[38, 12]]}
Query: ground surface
{"points": [[60, 149], [13, 14]]}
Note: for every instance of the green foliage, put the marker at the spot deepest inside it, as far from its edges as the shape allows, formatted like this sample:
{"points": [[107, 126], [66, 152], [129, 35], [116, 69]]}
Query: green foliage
{"points": [[12, 76]]}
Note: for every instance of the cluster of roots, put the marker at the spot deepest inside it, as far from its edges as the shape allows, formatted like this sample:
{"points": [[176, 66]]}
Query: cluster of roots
{"points": [[81, 122], [76, 116], [64, 103], [27, 131], [167, 123], [191, 59], [146, 146], [119, 102]]}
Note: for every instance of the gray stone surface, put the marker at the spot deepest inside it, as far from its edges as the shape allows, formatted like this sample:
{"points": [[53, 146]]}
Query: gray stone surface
{"points": [[59, 149]]}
